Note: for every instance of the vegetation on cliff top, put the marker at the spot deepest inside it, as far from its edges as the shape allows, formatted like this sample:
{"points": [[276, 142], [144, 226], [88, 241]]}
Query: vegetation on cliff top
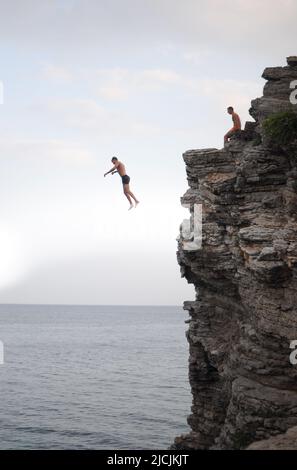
{"points": [[281, 127]]}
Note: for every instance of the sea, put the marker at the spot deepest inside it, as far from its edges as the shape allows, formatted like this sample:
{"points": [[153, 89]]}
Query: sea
{"points": [[93, 377]]}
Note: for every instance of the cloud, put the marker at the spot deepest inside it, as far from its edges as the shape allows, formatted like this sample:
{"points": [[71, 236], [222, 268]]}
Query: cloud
{"points": [[88, 115], [121, 101], [257, 25], [122, 83], [196, 56], [68, 152], [56, 73], [220, 91], [113, 92]]}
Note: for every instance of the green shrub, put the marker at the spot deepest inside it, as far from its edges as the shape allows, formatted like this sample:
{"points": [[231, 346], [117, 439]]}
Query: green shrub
{"points": [[281, 127]]}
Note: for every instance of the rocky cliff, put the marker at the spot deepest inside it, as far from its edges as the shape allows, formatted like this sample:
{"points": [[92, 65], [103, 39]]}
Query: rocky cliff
{"points": [[244, 316], [287, 441]]}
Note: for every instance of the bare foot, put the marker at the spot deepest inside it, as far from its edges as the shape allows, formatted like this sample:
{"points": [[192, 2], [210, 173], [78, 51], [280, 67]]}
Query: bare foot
{"points": [[136, 203]]}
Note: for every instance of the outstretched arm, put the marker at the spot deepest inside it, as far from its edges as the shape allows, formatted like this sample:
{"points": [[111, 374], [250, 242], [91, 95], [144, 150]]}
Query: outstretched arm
{"points": [[113, 170]]}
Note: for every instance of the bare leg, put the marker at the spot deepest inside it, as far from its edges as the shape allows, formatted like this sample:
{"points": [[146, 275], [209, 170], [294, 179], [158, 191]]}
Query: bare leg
{"points": [[127, 189], [133, 197], [228, 135], [129, 193], [128, 196]]}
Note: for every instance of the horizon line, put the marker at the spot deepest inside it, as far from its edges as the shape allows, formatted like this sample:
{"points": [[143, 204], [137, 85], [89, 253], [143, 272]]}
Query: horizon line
{"points": [[90, 305]]}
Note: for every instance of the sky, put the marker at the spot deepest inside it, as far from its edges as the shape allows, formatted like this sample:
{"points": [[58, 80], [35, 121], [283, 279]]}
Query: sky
{"points": [[144, 80]]}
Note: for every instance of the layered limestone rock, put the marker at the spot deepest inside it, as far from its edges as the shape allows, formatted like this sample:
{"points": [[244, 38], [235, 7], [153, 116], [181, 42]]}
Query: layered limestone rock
{"points": [[244, 316], [287, 441]]}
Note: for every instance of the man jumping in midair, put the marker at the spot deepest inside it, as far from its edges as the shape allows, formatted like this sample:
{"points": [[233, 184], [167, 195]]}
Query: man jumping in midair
{"points": [[119, 167]]}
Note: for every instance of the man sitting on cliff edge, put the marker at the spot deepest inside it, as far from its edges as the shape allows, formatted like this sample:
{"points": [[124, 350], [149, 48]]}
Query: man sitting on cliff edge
{"points": [[236, 124]]}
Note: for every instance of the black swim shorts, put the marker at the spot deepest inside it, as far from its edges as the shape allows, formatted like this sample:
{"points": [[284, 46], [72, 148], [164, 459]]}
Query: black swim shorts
{"points": [[125, 179]]}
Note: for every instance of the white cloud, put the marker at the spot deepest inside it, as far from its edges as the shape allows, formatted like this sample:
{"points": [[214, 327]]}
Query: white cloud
{"points": [[135, 90], [56, 73], [113, 93], [125, 84], [196, 56], [45, 150], [87, 114], [159, 76], [256, 25], [121, 84], [225, 90]]}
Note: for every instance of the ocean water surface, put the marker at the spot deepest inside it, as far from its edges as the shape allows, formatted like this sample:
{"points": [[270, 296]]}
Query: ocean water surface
{"points": [[93, 377]]}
